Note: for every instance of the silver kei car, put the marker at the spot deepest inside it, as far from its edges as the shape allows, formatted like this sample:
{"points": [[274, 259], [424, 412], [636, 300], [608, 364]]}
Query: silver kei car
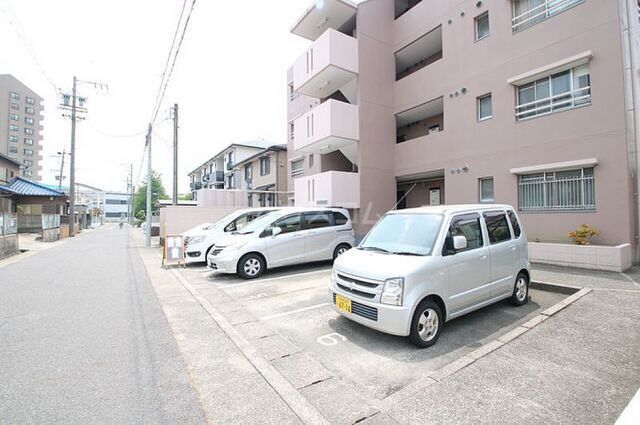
{"points": [[418, 268]]}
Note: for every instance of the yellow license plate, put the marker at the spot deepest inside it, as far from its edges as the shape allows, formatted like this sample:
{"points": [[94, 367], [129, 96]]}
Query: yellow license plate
{"points": [[343, 303]]}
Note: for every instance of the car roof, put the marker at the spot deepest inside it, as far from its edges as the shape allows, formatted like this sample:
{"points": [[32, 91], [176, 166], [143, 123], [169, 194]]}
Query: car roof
{"points": [[451, 209], [292, 210]]}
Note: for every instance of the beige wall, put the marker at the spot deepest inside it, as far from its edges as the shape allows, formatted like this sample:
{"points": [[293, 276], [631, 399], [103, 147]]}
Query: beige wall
{"points": [[176, 220], [7, 171]]}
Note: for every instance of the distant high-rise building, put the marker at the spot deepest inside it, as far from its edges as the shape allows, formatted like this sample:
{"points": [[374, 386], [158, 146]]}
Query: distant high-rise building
{"points": [[21, 116]]}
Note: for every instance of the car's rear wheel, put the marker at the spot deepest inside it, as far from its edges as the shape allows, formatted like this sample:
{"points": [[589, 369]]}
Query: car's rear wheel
{"points": [[426, 324], [520, 294], [341, 249], [251, 266]]}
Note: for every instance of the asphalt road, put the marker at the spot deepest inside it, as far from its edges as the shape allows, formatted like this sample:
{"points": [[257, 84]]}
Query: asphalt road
{"points": [[83, 339]]}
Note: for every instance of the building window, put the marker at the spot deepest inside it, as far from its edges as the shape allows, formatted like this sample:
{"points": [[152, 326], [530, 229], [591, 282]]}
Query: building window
{"points": [[28, 120], [250, 200], [527, 13], [486, 190], [13, 127], [13, 138], [28, 131], [15, 106], [28, 141], [564, 90], [297, 168], [29, 110], [265, 166], [557, 191], [28, 152], [30, 100], [14, 96], [28, 162], [13, 149], [28, 172], [261, 200], [311, 159], [271, 199], [291, 130], [485, 108], [248, 172], [14, 117], [482, 26], [292, 93]]}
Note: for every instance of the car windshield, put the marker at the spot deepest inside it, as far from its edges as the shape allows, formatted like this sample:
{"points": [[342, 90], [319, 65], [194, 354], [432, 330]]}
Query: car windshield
{"points": [[257, 224], [406, 234]]}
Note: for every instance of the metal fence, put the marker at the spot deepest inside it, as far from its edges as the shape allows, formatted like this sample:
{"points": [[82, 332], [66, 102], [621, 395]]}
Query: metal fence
{"points": [[8, 224], [546, 192]]}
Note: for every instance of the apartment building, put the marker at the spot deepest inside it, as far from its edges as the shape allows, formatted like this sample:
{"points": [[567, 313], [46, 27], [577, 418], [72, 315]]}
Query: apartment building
{"points": [[9, 168], [264, 177], [533, 103], [21, 116], [219, 172]]}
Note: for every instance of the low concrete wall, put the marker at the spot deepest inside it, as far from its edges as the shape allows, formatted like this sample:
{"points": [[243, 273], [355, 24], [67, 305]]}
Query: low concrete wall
{"points": [[51, 235], [222, 198], [176, 220], [609, 258], [9, 245]]}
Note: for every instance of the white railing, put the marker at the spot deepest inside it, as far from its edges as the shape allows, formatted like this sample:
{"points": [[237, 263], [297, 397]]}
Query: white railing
{"points": [[543, 193], [568, 100], [540, 13]]}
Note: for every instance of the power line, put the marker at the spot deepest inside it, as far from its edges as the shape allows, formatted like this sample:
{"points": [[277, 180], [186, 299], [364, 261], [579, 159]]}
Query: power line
{"points": [[173, 64], [116, 136], [166, 65], [19, 30]]}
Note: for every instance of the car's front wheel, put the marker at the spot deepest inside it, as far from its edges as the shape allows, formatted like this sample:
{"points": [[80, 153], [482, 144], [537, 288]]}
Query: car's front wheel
{"points": [[426, 324], [341, 249], [251, 266], [520, 294]]}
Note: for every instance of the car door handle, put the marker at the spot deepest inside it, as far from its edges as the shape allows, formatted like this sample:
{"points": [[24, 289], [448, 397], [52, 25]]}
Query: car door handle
{"points": [[513, 248], [483, 257]]}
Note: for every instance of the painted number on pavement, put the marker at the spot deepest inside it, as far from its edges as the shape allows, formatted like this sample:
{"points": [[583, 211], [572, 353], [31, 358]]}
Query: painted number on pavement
{"points": [[331, 339]]}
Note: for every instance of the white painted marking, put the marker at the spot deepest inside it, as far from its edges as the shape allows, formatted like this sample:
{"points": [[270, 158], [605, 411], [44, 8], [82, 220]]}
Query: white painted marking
{"points": [[274, 279], [329, 340], [630, 279], [287, 313]]}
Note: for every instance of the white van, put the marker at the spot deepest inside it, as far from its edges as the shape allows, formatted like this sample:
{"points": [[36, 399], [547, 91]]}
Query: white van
{"points": [[418, 268], [285, 237], [200, 239]]}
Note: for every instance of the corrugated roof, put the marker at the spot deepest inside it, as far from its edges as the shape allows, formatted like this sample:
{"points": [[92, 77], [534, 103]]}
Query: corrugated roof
{"points": [[23, 187]]}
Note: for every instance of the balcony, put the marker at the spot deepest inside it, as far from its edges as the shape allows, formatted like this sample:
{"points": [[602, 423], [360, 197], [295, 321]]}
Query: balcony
{"points": [[324, 15], [331, 188], [330, 64], [419, 54], [215, 177], [196, 185], [420, 121], [331, 126]]}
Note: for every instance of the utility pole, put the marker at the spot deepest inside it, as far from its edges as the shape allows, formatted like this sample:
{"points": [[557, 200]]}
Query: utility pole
{"points": [[175, 154], [72, 171], [63, 153], [131, 196], [149, 188], [76, 105]]}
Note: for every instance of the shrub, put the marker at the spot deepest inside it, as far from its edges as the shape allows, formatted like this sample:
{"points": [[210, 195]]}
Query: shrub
{"points": [[583, 234]]}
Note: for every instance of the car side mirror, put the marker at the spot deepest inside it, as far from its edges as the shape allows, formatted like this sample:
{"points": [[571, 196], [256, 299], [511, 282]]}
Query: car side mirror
{"points": [[276, 231], [459, 243]]}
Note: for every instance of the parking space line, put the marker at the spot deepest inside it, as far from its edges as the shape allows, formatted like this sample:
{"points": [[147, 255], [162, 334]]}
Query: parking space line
{"points": [[273, 279], [300, 310]]}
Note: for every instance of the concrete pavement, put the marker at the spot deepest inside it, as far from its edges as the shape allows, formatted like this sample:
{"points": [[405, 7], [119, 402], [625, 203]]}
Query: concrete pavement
{"points": [[84, 340]]}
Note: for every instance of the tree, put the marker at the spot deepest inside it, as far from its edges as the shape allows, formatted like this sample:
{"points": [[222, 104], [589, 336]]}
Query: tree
{"points": [[157, 192], [185, 197]]}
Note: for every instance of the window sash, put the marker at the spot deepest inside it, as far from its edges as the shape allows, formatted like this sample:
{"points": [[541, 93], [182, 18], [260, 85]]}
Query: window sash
{"points": [[573, 96], [527, 13], [557, 191]]}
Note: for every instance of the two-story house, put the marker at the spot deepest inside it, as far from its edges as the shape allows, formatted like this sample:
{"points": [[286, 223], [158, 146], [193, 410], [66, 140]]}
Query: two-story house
{"points": [[264, 177]]}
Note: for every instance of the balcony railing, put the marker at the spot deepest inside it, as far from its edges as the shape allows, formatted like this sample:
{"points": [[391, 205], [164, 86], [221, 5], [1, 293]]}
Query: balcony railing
{"points": [[331, 188], [326, 128], [558, 102], [539, 13]]}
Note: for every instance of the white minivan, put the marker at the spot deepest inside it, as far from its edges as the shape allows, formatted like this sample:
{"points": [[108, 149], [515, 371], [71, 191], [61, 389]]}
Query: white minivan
{"points": [[200, 239], [286, 237], [418, 268]]}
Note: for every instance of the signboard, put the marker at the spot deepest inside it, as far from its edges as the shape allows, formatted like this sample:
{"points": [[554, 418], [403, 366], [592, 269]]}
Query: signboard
{"points": [[434, 196], [174, 250]]}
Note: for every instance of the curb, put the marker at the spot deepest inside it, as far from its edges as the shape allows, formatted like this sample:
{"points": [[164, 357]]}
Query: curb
{"points": [[441, 374]]}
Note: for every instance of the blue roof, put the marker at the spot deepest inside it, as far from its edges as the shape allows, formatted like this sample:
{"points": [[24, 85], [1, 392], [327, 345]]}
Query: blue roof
{"points": [[23, 187]]}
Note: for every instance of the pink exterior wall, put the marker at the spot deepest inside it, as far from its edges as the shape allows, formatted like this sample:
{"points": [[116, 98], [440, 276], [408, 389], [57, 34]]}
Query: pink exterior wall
{"points": [[491, 148]]}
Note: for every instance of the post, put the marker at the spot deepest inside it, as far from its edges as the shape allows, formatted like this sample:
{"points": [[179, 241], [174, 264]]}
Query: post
{"points": [[64, 152], [131, 195], [175, 154], [72, 170], [149, 188]]}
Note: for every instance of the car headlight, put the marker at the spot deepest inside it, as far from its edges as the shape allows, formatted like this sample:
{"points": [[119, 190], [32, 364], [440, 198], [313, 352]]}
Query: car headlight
{"points": [[196, 239], [392, 291]]}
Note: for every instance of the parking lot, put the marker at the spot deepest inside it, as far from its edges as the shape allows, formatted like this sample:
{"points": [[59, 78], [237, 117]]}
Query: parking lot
{"points": [[288, 316]]}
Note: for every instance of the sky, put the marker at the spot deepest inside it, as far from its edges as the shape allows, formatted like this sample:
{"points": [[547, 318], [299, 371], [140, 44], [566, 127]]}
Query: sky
{"points": [[229, 80]]}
